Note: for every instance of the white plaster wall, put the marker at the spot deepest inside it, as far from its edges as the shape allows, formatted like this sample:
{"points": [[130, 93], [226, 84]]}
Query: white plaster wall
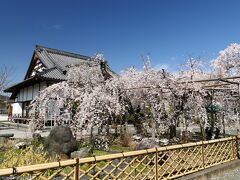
{"points": [[17, 109], [43, 85], [25, 94], [20, 95], [30, 93], [17, 98], [35, 90]]}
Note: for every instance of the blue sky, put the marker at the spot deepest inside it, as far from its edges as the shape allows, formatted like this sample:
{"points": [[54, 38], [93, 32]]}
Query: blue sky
{"points": [[124, 30]]}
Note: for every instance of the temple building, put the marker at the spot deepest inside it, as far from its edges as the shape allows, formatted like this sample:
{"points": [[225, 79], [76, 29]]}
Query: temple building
{"points": [[47, 66]]}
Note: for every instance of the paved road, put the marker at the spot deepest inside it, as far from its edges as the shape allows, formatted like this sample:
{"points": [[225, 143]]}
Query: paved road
{"points": [[19, 133], [3, 117]]}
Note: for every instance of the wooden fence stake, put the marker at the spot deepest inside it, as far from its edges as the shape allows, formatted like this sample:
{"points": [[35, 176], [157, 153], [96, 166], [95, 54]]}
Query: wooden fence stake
{"points": [[76, 170], [237, 148], [233, 148], [156, 164], [203, 155]]}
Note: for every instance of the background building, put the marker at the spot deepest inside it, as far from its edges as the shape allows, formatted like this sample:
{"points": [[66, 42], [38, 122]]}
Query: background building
{"points": [[3, 104]]}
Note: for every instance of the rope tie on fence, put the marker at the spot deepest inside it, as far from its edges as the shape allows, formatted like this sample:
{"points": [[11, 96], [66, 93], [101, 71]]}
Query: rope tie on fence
{"points": [[14, 170], [59, 162], [166, 148], [123, 154], [95, 159]]}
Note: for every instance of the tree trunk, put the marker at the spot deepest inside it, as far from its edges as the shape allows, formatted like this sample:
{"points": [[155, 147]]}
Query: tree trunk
{"points": [[126, 127], [108, 128], [116, 130], [153, 128], [121, 126], [91, 135], [223, 122], [172, 131], [139, 126], [202, 131]]}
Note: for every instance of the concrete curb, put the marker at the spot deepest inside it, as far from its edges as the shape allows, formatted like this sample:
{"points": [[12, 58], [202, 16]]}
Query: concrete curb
{"points": [[14, 125], [212, 172]]}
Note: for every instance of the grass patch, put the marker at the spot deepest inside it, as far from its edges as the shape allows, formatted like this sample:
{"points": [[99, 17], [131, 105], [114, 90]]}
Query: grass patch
{"points": [[119, 148], [99, 152], [114, 148]]}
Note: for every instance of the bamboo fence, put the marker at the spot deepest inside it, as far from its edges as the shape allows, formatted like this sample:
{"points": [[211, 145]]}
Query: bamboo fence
{"points": [[158, 163]]}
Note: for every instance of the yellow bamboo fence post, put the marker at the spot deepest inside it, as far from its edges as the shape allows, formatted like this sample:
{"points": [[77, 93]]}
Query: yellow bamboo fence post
{"points": [[202, 149], [237, 148], [233, 147], [156, 164], [76, 170]]}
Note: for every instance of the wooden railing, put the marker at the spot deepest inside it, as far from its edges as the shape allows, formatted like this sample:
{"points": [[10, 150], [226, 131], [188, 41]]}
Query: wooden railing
{"points": [[158, 163]]}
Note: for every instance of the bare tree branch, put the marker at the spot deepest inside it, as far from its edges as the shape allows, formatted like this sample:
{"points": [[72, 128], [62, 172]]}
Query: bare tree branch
{"points": [[5, 77]]}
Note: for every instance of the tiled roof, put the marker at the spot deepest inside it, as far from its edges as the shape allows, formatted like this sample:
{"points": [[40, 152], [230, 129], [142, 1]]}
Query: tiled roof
{"points": [[57, 62], [61, 60], [54, 74]]}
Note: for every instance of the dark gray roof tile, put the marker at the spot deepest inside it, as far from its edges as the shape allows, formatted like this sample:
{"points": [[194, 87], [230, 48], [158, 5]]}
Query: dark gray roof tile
{"points": [[53, 73]]}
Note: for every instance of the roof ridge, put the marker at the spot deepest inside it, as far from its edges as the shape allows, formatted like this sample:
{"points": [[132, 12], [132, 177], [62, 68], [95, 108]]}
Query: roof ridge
{"points": [[63, 52]]}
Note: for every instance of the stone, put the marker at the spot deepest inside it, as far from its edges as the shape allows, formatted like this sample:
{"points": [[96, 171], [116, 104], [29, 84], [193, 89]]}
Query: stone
{"points": [[136, 138], [173, 140], [147, 143], [8, 135], [21, 145], [164, 142], [60, 141], [81, 153]]}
